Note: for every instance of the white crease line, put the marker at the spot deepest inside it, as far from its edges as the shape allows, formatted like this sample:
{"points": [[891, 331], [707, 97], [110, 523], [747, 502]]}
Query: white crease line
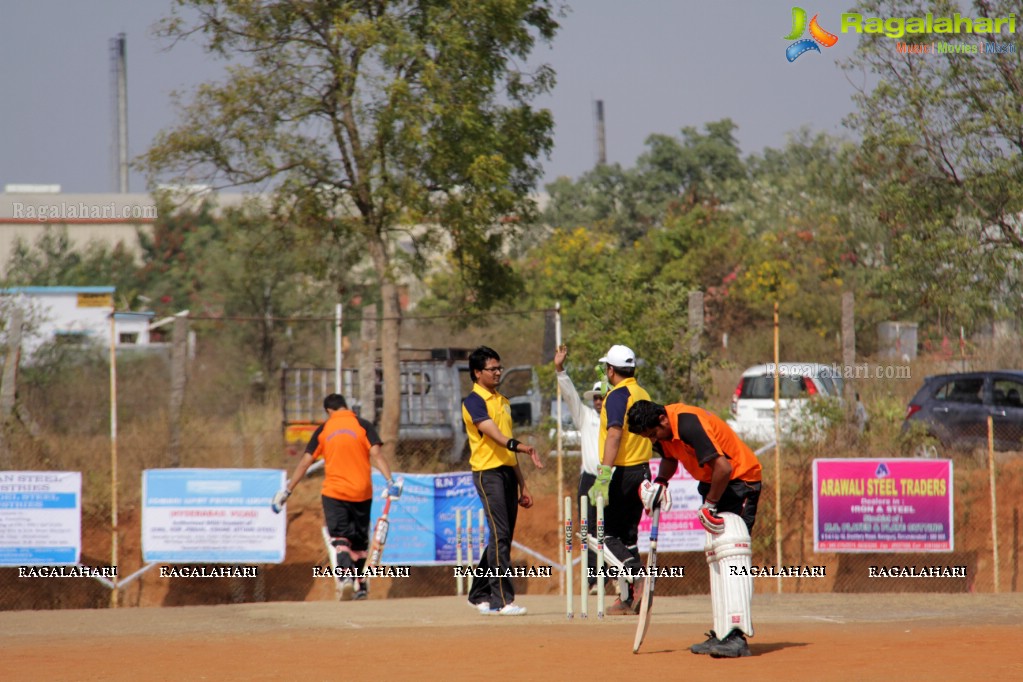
{"points": [[826, 618]]}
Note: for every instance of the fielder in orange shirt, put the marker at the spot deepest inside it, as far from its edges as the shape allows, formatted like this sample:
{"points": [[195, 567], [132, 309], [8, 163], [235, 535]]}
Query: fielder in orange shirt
{"points": [[348, 446]]}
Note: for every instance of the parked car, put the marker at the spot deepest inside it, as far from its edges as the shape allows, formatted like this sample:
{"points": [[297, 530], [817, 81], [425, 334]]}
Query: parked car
{"points": [[753, 401], [954, 409]]}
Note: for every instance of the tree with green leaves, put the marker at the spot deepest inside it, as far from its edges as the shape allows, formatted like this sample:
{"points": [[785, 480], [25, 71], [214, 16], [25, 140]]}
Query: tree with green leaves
{"points": [[810, 234], [54, 260], [692, 169], [942, 138], [407, 125], [265, 268], [607, 198], [173, 252]]}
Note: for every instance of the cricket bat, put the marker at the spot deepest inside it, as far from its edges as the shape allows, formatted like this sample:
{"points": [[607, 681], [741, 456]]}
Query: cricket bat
{"points": [[376, 549], [648, 584]]}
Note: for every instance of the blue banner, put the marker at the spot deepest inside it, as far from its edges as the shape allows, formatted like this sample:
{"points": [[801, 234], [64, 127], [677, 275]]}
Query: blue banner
{"points": [[40, 518], [211, 516], [38, 500], [422, 520]]}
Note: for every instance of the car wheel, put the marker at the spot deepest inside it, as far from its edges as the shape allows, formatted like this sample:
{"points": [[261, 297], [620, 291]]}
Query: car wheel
{"points": [[927, 450]]}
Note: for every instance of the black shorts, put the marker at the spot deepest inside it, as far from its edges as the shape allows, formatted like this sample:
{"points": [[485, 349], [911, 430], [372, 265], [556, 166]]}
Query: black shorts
{"points": [[349, 520]]}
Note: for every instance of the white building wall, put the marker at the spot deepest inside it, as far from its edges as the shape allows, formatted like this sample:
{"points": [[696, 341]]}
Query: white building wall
{"points": [[83, 312], [133, 323]]}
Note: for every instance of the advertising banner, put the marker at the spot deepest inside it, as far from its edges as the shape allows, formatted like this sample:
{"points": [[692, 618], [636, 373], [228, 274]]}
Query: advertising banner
{"points": [[680, 529], [212, 516], [422, 520], [40, 518], [882, 505]]}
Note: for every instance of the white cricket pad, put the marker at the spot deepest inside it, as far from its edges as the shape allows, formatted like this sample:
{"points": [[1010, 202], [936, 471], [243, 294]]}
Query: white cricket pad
{"points": [[729, 557]]}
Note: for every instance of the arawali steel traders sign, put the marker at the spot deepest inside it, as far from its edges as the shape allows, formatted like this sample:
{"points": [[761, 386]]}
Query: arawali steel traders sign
{"points": [[40, 517], [882, 505]]}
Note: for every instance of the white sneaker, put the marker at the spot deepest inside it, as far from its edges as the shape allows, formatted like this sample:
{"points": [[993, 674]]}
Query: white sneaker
{"points": [[347, 589], [512, 610], [482, 607]]}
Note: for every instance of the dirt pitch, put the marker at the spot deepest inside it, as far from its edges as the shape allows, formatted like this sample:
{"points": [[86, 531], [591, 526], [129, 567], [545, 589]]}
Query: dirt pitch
{"points": [[798, 637]]}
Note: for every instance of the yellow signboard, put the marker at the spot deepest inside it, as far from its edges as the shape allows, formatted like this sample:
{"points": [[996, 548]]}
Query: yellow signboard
{"points": [[95, 300], [296, 437]]}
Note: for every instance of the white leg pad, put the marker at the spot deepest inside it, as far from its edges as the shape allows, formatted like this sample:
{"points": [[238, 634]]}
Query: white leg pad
{"points": [[715, 578], [731, 586]]}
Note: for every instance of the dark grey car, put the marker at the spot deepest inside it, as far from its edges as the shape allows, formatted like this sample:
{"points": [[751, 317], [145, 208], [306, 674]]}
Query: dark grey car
{"points": [[955, 409]]}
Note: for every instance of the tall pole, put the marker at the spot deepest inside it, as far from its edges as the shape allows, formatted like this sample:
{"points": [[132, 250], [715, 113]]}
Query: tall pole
{"points": [[113, 454], [121, 56], [337, 349], [561, 470], [848, 341], [994, 498], [178, 380], [601, 137], [777, 447], [367, 364]]}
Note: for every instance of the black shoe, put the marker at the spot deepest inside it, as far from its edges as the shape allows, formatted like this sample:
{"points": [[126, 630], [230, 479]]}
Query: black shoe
{"points": [[704, 647], [732, 646], [360, 595]]}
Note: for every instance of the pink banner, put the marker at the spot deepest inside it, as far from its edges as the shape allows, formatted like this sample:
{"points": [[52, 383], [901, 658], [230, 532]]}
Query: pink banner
{"points": [[882, 505], [680, 529]]}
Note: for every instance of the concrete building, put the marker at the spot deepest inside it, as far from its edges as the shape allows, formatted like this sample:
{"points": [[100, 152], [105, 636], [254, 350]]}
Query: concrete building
{"points": [[27, 211], [73, 316], [104, 218]]}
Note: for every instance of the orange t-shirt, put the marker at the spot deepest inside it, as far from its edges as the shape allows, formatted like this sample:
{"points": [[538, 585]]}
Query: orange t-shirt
{"points": [[698, 436], [344, 442]]}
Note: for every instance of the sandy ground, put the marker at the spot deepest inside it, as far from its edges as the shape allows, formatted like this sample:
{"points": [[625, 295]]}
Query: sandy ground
{"points": [[798, 637]]}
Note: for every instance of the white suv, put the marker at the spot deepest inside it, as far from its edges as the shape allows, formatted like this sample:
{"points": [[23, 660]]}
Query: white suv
{"points": [[753, 401]]}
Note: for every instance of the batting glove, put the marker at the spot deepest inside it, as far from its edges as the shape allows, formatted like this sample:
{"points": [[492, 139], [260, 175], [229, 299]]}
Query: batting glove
{"points": [[601, 485], [394, 488], [279, 499], [708, 514], [655, 495]]}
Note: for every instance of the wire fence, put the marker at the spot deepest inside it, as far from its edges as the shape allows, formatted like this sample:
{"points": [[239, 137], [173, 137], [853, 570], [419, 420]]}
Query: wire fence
{"points": [[979, 546], [222, 426]]}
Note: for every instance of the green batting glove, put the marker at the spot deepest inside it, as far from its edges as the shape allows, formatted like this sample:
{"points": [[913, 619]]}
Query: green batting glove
{"points": [[601, 485]]}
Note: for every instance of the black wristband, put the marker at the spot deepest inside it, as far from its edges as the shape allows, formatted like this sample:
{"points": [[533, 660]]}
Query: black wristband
{"points": [[661, 480], [512, 445]]}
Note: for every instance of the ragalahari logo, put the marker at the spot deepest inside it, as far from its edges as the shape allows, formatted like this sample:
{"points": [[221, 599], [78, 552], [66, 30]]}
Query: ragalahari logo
{"points": [[817, 35]]}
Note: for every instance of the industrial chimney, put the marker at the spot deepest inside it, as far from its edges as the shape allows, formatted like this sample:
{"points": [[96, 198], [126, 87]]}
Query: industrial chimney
{"points": [[119, 87], [601, 145]]}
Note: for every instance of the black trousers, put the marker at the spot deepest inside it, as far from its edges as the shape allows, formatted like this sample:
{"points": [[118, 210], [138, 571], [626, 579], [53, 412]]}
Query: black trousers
{"points": [[739, 498], [499, 492], [623, 513], [586, 480]]}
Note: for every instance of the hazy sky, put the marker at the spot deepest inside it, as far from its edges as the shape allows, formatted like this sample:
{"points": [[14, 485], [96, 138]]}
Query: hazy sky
{"points": [[658, 65]]}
